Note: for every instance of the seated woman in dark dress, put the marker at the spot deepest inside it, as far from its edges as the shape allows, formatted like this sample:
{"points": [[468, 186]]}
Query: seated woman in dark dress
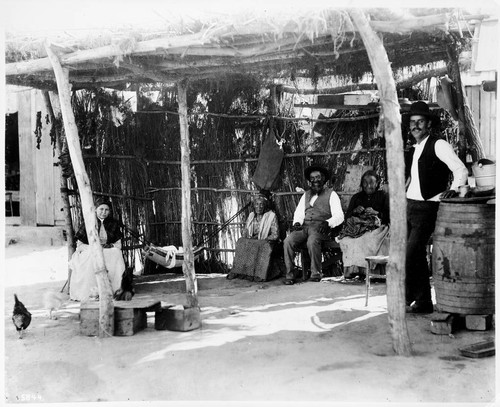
{"points": [[366, 228], [83, 281]]}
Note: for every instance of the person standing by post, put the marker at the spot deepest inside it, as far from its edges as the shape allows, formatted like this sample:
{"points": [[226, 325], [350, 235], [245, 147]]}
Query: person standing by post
{"points": [[318, 211], [428, 166]]}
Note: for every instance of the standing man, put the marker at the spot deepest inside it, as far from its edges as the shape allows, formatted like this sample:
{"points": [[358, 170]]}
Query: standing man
{"points": [[318, 210], [429, 164]]}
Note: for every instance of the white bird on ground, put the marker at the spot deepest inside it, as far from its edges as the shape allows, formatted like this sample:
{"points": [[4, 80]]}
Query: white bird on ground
{"points": [[52, 301]]}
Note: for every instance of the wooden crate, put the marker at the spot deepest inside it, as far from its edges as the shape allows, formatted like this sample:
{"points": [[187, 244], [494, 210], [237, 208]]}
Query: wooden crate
{"points": [[442, 323], [129, 316], [177, 318], [128, 321], [89, 318]]}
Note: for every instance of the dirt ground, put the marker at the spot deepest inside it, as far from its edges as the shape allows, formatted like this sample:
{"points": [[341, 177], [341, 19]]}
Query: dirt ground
{"points": [[311, 342]]}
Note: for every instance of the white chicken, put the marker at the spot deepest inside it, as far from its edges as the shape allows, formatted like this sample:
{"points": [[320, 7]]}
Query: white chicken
{"points": [[52, 301]]}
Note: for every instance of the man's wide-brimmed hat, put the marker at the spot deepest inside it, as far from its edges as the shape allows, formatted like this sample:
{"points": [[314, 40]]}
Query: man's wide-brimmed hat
{"points": [[312, 168], [420, 109]]}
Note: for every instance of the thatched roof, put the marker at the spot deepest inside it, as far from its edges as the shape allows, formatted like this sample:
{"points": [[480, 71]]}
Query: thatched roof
{"points": [[267, 43]]}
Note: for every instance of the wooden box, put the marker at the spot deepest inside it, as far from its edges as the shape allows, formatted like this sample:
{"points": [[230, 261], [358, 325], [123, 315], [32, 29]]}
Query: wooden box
{"points": [[478, 322], [357, 99], [89, 318], [128, 321], [330, 99], [442, 324], [177, 318], [129, 316]]}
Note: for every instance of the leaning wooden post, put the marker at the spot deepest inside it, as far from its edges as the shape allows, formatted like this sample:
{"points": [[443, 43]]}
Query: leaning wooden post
{"points": [[187, 241], [396, 268], [106, 307]]}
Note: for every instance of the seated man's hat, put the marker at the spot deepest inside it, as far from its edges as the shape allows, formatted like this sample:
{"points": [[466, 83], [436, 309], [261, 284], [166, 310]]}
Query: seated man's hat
{"points": [[312, 168]]}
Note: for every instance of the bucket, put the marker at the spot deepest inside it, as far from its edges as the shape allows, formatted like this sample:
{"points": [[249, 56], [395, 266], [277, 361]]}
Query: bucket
{"points": [[484, 174], [463, 258]]}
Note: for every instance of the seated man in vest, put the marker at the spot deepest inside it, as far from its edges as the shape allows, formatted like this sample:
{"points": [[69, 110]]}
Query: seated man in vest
{"points": [[318, 211], [429, 164]]}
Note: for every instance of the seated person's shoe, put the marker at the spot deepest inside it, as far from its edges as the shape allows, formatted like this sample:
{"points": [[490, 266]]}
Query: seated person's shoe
{"points": [[288, 281], [231, 276], [315, 277], [420, 308]]}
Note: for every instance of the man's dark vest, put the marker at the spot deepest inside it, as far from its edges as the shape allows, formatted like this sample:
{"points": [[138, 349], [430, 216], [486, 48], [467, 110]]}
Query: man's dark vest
{"points": [[434, 174], [321, 209]]}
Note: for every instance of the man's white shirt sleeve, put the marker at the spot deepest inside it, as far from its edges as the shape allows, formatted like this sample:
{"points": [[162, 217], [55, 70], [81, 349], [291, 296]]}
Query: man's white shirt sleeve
{"points": [[336, 209], [300, 211], [445, 153]]}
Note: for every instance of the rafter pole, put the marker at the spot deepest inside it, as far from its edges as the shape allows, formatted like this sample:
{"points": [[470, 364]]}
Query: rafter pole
{"points": [[396, 270]]}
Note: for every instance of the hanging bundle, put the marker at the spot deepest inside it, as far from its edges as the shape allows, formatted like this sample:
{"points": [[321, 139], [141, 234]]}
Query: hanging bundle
{"points": [[269, 164]]}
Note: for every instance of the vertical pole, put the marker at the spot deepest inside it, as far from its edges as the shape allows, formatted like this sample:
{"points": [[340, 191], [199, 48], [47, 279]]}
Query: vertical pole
{"points": [[63, 182], [396, 270], [106, 307], [187, 241]]}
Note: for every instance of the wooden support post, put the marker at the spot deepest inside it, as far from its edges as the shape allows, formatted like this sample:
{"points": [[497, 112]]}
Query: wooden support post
{"points": [[187, 241], [396, 271], [106, 308]]}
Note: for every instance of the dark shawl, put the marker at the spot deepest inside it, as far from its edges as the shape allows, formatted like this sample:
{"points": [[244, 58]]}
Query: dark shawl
{"points": [[111, 225]]}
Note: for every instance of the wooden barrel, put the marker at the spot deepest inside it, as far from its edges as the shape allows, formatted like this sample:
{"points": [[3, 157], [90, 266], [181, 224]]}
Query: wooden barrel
{"points": [[463, 258]]}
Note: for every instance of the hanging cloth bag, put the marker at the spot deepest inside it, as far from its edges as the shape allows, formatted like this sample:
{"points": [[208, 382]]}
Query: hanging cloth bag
{"points": [[269, 164]]}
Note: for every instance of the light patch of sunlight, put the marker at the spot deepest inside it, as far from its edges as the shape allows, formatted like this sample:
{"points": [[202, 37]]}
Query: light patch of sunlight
{"points": [[38, 266], [260, 321]]}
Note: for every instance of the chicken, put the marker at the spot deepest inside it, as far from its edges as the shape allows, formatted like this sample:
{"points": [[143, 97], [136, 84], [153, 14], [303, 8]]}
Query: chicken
{"points": [[52, 301], [126, 291], [21, 317]]}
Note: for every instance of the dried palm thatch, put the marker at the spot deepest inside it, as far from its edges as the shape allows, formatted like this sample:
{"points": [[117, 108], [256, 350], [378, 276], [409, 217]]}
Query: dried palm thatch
{"points": [[296, 40]]}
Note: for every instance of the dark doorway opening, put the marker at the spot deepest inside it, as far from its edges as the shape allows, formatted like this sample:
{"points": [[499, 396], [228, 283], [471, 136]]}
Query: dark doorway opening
{"points": [[11, 165]]}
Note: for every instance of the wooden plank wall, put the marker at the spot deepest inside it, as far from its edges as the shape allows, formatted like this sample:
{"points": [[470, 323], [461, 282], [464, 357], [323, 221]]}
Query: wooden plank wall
{"points": [[58, 205], [27, 185], [40, 197], [44, 168], [484, 110]]}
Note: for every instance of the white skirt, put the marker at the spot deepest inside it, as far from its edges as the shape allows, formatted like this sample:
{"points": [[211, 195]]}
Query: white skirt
{"points": [[83, 280]]}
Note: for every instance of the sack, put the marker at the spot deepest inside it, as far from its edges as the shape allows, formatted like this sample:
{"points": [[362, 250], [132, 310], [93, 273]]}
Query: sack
{"points": [[269, 164]]}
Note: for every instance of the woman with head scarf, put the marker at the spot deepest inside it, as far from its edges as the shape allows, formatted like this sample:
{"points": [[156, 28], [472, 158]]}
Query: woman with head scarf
{"points": [[262, 222], [366, 228], [83, 282], [254, 249]]}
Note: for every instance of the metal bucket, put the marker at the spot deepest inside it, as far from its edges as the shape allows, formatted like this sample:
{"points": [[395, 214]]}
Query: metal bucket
{"points": [[485, 174], [463, 258]]}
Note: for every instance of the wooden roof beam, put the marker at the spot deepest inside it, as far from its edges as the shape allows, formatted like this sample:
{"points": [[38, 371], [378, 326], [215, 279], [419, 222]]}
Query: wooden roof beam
{"points": [[108, 51], [444, 22]]}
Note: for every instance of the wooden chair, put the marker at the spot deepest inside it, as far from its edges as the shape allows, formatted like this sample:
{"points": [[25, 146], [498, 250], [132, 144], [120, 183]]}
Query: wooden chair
{"points": [[332, 260], [382, 260]]}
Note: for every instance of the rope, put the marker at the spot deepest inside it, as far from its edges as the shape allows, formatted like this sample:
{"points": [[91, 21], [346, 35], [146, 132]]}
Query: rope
{"points": [[203, 242]]}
